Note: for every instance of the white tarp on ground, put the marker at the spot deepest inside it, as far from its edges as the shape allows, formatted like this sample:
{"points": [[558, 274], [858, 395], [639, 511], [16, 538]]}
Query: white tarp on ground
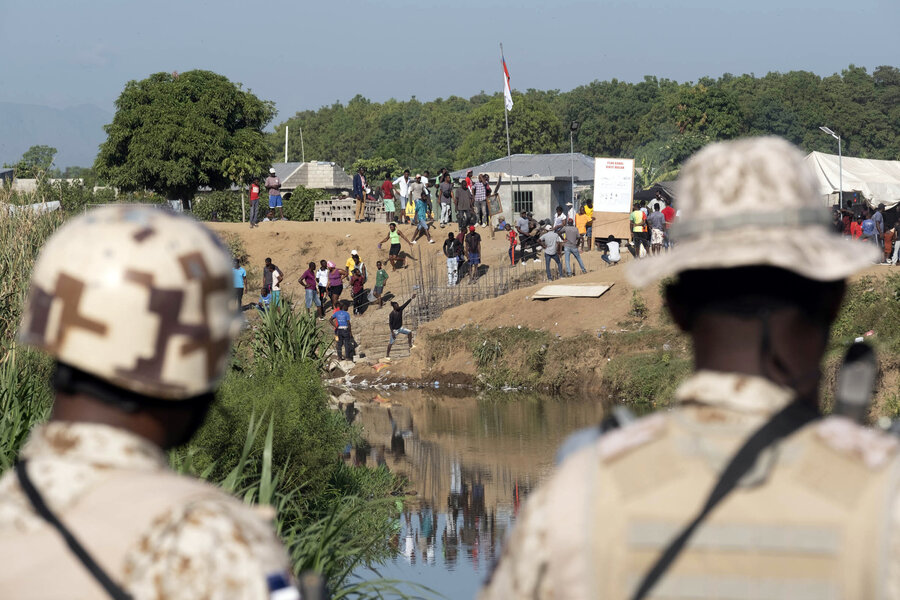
{"points": [[40, 207], [877, 180], [574, 290]]}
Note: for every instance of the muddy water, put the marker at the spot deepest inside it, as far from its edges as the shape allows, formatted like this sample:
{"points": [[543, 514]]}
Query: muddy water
{"points": [[472, 461]]}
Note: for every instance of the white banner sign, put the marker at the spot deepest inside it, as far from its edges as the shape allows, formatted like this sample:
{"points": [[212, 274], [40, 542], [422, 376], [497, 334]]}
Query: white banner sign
{"points": [[613, 184]]}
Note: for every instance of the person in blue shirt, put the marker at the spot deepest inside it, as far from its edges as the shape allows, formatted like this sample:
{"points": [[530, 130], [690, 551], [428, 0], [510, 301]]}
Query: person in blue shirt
{"points": [[265, 299], [340, 320], [869, 233], [422, 205], [240, 282]]}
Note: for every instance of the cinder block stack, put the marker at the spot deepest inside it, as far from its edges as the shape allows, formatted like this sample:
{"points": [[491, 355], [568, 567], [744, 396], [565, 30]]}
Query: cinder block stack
{"points": [[335, 210], [375, 212]]}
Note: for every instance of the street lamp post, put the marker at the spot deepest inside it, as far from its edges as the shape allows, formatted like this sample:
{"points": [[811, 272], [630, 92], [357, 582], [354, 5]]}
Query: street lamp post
{"points": [[840, 166], [572, 129]]}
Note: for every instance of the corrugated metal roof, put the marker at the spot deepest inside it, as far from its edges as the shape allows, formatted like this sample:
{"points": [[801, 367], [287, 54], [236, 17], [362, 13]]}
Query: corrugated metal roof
{"points": [[543, 165]]}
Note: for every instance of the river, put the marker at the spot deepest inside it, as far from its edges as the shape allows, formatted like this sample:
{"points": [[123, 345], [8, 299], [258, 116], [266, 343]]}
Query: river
{"points": [[471, 461]]}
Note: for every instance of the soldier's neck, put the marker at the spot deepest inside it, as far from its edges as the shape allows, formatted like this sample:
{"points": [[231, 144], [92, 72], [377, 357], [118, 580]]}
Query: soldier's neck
{"points": [[82, 408], [790, 358]]}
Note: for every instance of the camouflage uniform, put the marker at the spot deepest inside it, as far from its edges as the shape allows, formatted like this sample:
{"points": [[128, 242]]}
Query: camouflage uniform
{"points": [[140, 300], [646, 478], [208, 546], [817, 515]]}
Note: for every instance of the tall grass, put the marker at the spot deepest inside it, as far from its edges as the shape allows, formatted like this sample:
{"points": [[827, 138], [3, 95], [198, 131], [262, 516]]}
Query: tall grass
{"points": [[25, 396], [350, 532], [285, 336], [22, 235]]}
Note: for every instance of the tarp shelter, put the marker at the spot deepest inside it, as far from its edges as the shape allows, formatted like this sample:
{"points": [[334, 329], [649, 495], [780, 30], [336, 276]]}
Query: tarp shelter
{"points": [[666, 187], [877, 180]]}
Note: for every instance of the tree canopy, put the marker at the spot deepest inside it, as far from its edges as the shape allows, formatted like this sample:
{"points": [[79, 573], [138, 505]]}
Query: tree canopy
{"points": [[659, 121], [35, 163], [173, 133]]}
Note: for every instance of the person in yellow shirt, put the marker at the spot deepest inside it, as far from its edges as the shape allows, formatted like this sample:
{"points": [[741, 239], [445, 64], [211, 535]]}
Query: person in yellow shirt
{"points": [[355, 262], [638, 235], [581, 223], [589, 227]]}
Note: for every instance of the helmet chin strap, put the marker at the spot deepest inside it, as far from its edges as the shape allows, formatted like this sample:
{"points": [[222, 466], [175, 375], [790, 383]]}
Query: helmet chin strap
{"points": [[68, 379]]}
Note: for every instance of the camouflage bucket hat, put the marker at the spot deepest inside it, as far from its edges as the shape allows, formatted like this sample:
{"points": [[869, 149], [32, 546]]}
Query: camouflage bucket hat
{"points": [[753, 202], [136, 296]]}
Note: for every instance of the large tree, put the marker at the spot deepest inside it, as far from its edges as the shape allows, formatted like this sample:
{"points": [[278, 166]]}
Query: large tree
{"points": [[533, 129], [35, 163], [175, 133]]}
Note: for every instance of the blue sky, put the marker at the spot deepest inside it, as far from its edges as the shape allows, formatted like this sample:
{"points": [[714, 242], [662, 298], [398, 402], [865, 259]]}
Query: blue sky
{"points": [[305, 54]]}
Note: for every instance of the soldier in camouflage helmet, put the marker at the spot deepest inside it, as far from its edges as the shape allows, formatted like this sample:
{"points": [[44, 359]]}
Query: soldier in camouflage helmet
{"points": [[134, 305], [808, 507]]}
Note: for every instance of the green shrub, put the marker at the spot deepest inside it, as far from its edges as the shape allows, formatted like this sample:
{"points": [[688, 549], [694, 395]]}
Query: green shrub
{"points": [[638, 308], [646, 380], [301, 204], [223, 207], [308, 435]]}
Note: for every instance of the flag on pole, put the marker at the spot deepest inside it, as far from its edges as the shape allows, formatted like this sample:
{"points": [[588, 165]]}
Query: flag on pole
{"points": [[507, 92]]}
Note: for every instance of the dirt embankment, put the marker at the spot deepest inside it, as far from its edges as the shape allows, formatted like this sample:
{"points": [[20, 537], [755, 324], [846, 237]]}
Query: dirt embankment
{"points": [[568, 345]]}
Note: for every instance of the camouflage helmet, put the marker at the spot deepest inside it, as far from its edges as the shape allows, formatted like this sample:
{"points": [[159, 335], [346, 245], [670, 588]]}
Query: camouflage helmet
{"points": [[138, 297]]}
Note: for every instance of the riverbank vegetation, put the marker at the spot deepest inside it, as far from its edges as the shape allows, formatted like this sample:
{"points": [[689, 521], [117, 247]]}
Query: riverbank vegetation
{"points": [[642, 360], [271, 438]]}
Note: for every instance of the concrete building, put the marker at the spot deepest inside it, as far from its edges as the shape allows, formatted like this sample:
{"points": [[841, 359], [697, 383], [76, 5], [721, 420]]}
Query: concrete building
{"points": [[538, 183], [321, 175]]}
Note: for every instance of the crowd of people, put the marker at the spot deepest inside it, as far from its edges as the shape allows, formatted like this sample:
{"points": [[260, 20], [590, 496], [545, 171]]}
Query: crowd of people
{"points": [[867, 225], [323, 285], [415, 200]]}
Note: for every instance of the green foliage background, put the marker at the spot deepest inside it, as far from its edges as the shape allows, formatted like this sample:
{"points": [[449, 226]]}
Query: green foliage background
{"points": [[174, 133], [225, 207], [659, 119]]}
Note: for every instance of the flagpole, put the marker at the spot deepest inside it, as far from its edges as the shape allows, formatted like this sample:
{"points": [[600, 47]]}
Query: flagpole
{"points": [[508, 151]]}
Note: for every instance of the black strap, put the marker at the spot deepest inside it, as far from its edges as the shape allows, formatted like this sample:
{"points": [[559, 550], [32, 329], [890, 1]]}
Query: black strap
{"points": [[113, 589], [784, 423]]}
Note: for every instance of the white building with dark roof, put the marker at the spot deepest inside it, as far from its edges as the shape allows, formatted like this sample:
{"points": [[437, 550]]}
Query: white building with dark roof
{"points": [[536, 183]]}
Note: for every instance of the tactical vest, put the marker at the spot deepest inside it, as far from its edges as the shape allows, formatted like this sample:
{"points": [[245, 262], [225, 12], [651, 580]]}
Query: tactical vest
{"points": [[811, 523], [109, 520]]}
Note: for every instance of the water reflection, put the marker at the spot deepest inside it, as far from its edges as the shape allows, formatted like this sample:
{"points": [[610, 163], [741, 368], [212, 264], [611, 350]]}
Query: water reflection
{"points": [[471, 461]]}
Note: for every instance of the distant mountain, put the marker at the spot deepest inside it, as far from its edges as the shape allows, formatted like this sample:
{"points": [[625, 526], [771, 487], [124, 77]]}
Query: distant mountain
{"points": [[76, 132]]}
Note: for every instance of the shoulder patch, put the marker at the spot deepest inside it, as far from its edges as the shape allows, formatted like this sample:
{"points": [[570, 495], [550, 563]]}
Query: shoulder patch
{"points": [[872, 448], [619, 441]]}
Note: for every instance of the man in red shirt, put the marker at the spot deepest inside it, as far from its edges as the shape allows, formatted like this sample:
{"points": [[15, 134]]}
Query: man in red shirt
{"points": [[254, 201], [387, 195], [513, 240], [669, 213]]}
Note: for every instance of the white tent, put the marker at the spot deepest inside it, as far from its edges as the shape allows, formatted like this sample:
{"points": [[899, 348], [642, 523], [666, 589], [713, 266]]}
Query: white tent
{"points": [[877, 180]]}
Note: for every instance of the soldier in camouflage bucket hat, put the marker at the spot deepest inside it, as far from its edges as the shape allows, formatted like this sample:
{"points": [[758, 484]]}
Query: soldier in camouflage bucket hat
{"points": [[752, 202], [740, 488], [135, 306]]}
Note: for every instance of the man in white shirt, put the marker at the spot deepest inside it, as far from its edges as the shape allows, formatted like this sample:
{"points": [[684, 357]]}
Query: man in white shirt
{"points": [[550, 241], [559, 221], [612, 256], [403, 182]]}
